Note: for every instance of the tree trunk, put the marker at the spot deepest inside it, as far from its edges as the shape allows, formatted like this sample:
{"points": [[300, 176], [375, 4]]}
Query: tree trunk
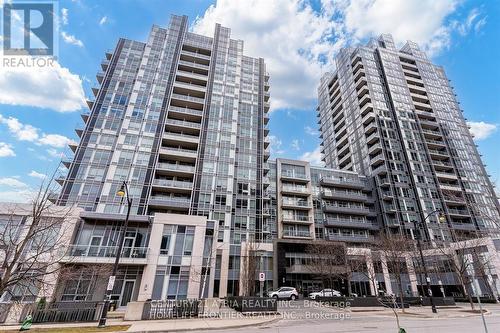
{"points": [[466, 294], [400, 286]]}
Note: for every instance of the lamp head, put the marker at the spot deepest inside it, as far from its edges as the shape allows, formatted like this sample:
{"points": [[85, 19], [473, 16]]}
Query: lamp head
{"points": [[121, 191], [441, 217]]}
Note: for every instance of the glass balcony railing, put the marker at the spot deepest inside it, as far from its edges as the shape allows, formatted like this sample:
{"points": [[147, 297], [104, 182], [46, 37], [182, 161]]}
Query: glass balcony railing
{"points": [[106, 251]]}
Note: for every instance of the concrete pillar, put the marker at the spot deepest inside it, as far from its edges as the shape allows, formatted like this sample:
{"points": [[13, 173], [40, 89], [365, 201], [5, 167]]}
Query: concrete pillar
{"points": [[371, 273], [196, 263], [411, 275], [149, 272], [387, 277]]}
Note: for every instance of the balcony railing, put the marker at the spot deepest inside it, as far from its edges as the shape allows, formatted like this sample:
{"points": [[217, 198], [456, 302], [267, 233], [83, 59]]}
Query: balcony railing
{"points": [[297, 203], [189, 98], [183, 123], [294, 189], [296, 233], [173, 183], [106, 251], [297, 218], [177, 167], [185, 110], [170, 201]]}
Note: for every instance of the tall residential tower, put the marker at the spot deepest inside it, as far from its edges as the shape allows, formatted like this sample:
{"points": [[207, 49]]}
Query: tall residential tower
{"points": [[393, 115], [182, 119]]}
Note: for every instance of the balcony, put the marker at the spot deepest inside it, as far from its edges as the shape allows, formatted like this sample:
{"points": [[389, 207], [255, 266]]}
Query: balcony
{"points": [[377, 160], [374, 137], [195, 54], [181, 153], [170, 202], [173, 184], [106, 254], [188, 98], [348, 209], [297, 219], [177, 168], [435, 144], [375, 149], [190, 86], [438, 154], [368, 107], [297, 234], [463, 226], [446, 175], [442, 165], [432, 134], [182, 124], [181, 138], [295, 189], [351, 223], [344, 195], [193, 64], [297, 204], [343, 182], [450, 187], [192, 75], [348, 238], [458, 212]]}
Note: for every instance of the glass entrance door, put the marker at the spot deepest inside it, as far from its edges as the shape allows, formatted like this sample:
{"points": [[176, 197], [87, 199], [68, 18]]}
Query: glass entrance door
{"points": [[126, 296]]}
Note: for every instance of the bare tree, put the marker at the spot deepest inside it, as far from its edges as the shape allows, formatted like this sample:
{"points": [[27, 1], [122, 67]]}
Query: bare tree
{"points": [[328, 261], [33, 247], [250, 266], [395, 248], [466, 261]]}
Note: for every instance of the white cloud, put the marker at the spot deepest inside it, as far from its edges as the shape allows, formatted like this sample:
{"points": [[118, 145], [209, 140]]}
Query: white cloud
{"points": [[52, 87], [311, 131], [54, 153], [275, 145], [481, 130], [35, 174], [64, 16], [298, 43], [422, 21], [6, 150], [474, 21], [71, 39], [12, 182], [103, 20], [313, 157], [295, 144], [26, 132], [288, 34], [54, 140]]}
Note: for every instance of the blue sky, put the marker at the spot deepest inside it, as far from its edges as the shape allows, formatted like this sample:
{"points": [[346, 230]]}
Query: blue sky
{"points": [[39, 110]]}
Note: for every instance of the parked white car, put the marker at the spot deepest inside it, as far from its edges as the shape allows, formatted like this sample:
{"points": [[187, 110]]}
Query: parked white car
{"points": [[285, 293], [325, 293]]}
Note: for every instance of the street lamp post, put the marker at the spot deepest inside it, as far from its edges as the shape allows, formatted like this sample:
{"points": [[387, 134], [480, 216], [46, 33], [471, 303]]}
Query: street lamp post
{"points": [[122, 192], [424, 266]]}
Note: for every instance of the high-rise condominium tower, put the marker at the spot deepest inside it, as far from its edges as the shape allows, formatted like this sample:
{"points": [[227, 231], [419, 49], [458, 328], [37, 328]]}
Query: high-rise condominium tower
{"points": [[182, 119], [392, 114]]}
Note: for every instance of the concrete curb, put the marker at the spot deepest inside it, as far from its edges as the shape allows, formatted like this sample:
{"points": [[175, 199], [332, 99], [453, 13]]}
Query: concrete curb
{"points": [[209, 328]]}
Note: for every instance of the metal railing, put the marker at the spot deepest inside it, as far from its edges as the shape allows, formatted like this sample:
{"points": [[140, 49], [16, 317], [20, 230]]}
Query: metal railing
{"points": [[189, 98], [186, 110], [106, 251], [182, 150], [296, 233], [183, 123], [178, 167], [63, 312], [173, 183]]}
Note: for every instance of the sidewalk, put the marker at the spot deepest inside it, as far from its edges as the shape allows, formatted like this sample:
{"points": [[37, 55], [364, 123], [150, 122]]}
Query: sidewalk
{"points": [[169, 325], [458, 311]]}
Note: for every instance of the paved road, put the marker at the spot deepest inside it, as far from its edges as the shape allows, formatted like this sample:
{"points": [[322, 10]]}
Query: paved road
{"points": [[302, 317]]}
